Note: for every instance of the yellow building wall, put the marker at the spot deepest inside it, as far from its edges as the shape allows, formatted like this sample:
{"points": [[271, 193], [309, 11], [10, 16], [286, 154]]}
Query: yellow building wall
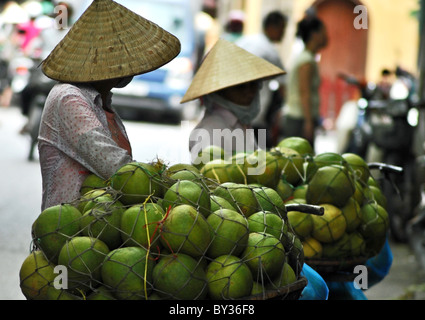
{"points": [[394, 35]]}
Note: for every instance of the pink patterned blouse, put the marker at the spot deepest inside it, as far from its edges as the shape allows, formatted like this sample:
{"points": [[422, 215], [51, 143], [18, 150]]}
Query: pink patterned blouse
{"points": [[75, 139]]}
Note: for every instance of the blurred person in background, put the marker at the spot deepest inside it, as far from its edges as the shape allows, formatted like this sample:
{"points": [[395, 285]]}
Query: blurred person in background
{"points": [[11, 40], [47, 40], [233, 29], [301, 116], [384, 84], [263, 45], [30, 29], [208, 28]]}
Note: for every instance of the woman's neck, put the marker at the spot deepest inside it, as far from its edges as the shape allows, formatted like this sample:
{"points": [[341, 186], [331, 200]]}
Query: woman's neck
{"points": [[104, 88]]}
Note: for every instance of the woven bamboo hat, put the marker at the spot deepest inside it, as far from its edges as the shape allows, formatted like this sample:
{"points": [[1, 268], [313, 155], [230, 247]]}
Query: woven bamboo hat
{"points": [[110, 41], [227, 65]]}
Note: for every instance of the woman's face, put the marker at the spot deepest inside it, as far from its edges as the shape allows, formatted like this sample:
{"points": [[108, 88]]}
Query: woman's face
{"points": [[242, 94], [321, 37], [122, 82]]}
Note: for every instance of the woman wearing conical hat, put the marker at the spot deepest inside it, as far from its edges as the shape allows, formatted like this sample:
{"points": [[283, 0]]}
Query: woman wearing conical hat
{"points": [[80, 133], [228, 83]]}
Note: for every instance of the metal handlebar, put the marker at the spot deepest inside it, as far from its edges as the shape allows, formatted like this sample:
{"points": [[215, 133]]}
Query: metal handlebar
{"points": [[306, 208], [385, 167]]}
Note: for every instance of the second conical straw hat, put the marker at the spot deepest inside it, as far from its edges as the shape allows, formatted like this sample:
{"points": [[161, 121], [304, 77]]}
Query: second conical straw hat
{"points": [[110, 41], [227, 65]]}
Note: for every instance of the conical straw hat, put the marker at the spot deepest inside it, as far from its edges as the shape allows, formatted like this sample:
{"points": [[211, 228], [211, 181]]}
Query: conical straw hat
{"points": [[227, 65], [110, 41]]}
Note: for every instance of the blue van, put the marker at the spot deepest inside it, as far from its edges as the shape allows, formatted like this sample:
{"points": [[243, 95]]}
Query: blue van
{"points": [[159, 92]]}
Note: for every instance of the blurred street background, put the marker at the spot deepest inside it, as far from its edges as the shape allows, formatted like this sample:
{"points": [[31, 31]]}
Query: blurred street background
{"points": [[365, 38]]}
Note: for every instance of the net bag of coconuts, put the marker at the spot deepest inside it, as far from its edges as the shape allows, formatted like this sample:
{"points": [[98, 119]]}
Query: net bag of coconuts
{"points": [[157, 231], [355, 223]]}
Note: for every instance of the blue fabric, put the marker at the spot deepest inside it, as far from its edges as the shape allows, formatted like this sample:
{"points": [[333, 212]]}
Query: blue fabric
{"points": [[380, 265], [316, 288], [378, 268], [344, 291]]}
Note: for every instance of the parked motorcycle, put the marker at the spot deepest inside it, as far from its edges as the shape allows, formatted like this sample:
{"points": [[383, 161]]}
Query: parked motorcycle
{"points": [[392, 131], [416, 226], [384, 133], [351, 119]]}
